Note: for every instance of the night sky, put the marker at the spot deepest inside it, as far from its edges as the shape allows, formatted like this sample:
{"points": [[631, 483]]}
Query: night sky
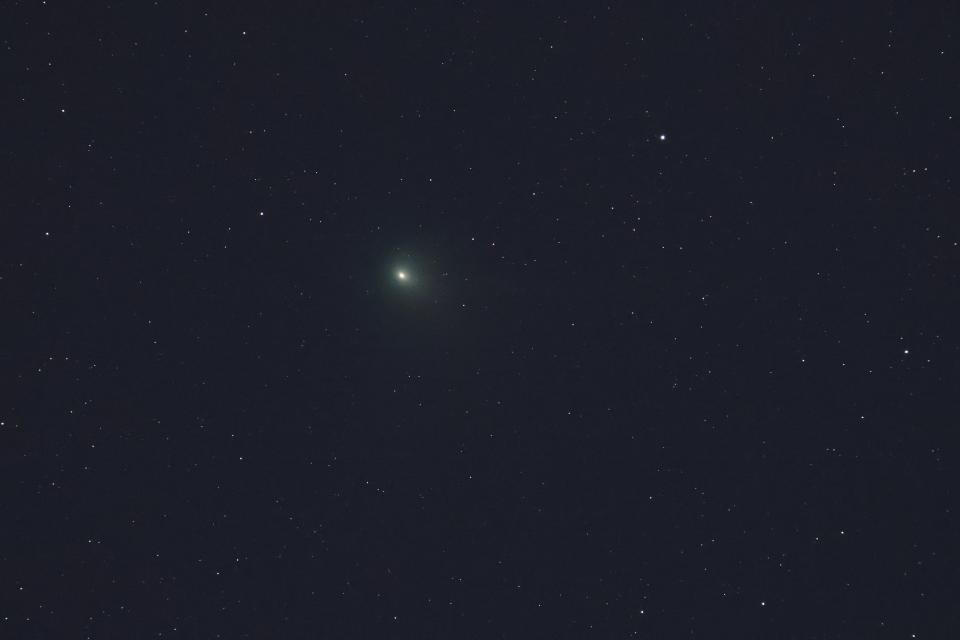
{"points": [[459, 320]]}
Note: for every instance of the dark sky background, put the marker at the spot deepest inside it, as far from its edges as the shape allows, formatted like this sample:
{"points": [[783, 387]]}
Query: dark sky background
{"points": [[675, 355]]}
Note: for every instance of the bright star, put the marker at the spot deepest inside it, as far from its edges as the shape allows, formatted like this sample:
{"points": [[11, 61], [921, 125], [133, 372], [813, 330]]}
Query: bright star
{"points": [[401, 275]]}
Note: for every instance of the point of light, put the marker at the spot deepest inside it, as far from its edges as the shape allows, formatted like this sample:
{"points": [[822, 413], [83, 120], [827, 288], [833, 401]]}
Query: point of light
{"points": [[401, 275], [663, 137]]}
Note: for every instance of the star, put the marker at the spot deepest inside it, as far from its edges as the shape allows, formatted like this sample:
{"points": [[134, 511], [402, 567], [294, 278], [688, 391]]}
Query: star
{"points": [[402, 276]]}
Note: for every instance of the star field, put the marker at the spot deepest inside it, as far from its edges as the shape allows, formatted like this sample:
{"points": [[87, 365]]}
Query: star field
{"points": [[477, 320]]}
